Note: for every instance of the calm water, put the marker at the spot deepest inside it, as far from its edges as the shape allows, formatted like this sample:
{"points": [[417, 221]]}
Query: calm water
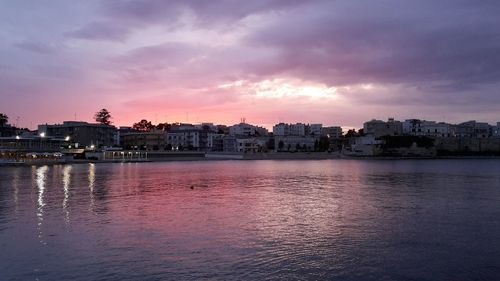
{"points": [[252, 220]]}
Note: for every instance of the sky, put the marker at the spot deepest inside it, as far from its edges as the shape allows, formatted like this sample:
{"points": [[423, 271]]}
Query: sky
{"points": [[268, 61]]}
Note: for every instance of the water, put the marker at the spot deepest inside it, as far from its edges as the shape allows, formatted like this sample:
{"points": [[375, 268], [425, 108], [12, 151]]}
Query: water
{"points": [[252, 220]]}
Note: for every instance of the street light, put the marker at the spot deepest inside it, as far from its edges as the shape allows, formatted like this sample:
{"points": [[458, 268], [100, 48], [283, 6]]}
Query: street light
{"points": [[92, 146], [67, 138], [42, 135], [18, 137]]}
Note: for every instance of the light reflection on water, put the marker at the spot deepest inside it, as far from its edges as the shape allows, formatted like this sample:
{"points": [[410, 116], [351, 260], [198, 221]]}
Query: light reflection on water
{"points": [[252, 220], [41, 176]]}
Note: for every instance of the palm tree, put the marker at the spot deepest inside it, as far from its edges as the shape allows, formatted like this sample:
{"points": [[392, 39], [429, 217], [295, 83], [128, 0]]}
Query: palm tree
{"points": [[3, 119]]}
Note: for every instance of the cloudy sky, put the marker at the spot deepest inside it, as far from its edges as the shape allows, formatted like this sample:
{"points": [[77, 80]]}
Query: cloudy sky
{"points": [[330, 62]]}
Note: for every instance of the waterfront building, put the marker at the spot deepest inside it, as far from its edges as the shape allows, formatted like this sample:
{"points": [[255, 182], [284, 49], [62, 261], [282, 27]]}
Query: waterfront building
{"points": [[333, 132], [437, 130], [473, 129], [314, 129], [184, 139], [216, 142], [281, 129], [32, 143], [367, 145], [417, 127], [379, 128], [152, 140], [229, 144], [297, 129], [83, 133], [7, 131], [122, 131], [413, 127], [295, 143], [251, 145], [496, 131], [482, 130], [202, 137], [244, 129]]}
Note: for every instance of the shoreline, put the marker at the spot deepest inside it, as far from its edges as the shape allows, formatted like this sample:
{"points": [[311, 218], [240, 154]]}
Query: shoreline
{"points": [[249, 157]]}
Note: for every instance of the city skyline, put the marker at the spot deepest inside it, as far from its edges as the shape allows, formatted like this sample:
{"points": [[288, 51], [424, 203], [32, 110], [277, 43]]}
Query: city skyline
{"points": [[339, 63]]}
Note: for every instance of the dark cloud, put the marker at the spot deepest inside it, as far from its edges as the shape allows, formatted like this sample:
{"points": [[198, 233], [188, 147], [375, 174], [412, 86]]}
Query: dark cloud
{"points": [[453, 46]]}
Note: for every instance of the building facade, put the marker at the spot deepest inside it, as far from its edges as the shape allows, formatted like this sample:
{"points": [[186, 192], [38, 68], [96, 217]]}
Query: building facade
{"points": [[333, 132], [83, 133], [244, 129], [152, 140], [379, 128]]}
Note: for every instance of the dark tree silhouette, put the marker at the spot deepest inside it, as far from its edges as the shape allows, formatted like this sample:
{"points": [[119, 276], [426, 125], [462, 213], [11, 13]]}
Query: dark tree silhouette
{"points": [[351, 133], [281, 144], [143, 125], [163, 126], [103, 116], [3, 119]]}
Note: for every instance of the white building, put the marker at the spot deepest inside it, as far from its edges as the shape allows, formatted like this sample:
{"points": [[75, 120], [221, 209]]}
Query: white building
{"points": [[496, 130], [298, 129], [315, 129], [183, 139], [379, 128], [433, 129], [244, 129], [474, 129], [416, 127], [364, 146], [281, 129], [251, 145], [201, 137]]}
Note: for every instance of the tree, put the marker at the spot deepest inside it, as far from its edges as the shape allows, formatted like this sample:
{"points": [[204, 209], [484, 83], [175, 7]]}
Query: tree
{"points": [[103, 116], [163, 126], [3, 119], [143, 125], [297, 147], [316, 145], [270, 145], [281, 144], [324, 143], [351, 133]]}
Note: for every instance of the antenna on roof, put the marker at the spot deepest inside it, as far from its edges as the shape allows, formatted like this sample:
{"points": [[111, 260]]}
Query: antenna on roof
{"points": [[243, 120]]}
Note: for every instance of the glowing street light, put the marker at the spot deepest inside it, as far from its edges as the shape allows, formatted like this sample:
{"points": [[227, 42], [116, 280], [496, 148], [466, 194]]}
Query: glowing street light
{"points": [[42, 134], [92, 146], [18, 137], [67, 138]]}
